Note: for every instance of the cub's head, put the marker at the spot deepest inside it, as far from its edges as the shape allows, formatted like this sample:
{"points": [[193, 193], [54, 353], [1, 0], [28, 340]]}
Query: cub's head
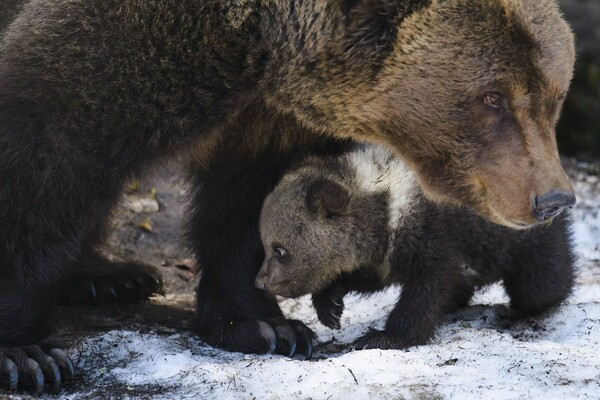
{"points": [[468, 92], [307, 231]]}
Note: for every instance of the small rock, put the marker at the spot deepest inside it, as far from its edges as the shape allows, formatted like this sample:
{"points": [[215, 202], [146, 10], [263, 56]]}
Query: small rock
{"points": [[140, 205]]}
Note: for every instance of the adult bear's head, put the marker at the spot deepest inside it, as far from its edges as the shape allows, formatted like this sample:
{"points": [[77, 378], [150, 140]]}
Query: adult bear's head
{"points": [[466, 91]]}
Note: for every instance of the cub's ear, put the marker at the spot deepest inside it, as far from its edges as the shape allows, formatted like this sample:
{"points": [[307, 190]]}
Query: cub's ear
{"points": [[326, 198]]}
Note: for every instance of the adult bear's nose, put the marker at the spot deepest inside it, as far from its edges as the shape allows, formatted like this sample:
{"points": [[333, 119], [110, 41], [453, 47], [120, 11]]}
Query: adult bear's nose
{"points": [[549, 205]]}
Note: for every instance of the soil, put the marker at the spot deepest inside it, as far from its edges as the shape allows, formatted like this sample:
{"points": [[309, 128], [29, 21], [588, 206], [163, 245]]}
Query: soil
{"points": [[154, 237]]}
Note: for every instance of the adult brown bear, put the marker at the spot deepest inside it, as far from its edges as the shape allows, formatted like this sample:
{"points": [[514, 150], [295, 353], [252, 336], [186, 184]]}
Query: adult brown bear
{"points": [[94, 91]]}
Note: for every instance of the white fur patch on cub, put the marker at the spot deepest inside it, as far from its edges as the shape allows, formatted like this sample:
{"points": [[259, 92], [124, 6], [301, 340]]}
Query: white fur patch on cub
{"points": [[378, 170]]}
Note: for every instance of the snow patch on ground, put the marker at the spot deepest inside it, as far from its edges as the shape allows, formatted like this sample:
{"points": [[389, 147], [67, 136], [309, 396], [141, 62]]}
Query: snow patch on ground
{"points": [[479, 353]]}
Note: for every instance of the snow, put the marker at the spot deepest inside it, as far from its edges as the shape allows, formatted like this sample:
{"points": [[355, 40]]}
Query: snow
{"points": [[480, 352]]}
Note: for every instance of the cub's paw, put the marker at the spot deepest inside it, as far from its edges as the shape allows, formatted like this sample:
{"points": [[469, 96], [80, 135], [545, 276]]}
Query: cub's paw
{"points": [[379, 340], [329, 305], [121, 283], [276, 335], [32, 368]]}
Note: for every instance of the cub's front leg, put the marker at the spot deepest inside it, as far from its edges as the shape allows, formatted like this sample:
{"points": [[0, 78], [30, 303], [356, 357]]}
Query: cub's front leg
{"points": [[329, 303], [425, 293]]}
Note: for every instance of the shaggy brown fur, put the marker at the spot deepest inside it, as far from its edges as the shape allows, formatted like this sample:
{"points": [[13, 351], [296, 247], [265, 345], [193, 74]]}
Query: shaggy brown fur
{"points": [[94, 91], [425, 97]]}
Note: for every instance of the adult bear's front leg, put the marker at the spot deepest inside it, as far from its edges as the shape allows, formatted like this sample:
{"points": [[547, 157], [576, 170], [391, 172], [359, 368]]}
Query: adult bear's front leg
{"points": [[427, 281], [223, 230], [231, 312], [53, 189]]}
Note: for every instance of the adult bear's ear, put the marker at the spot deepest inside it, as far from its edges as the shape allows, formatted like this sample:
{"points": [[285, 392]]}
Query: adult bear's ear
{"points": [[327, 199], [369, 8], [374, 22]]}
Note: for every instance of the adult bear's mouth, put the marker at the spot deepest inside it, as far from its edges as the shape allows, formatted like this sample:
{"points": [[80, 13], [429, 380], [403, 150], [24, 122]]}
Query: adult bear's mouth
{"points": [[518, 211]]}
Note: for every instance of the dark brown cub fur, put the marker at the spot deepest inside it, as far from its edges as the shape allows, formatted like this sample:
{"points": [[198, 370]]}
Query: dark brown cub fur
{"points": [[359, 222]]}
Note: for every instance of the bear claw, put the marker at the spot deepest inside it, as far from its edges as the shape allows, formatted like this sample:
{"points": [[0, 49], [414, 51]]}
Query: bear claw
{"points": [[305, 338], [295, 334], [64, 362], [47, 367], [273, 336], [32, 375], [268, 334], [288, 335], [31, 368], [9, 376], [89, 288]]}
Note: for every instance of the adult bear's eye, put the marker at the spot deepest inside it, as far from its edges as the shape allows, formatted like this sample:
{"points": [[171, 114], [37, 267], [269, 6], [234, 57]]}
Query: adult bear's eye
{"points": [[493, 100], [280, 252]]}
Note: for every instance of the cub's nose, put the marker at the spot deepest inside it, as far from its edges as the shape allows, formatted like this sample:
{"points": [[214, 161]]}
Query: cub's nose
{"points": [[549, 205], [261, 282]]}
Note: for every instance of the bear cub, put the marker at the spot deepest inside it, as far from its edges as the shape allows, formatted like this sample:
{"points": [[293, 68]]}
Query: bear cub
{"points": [[359, 222]]}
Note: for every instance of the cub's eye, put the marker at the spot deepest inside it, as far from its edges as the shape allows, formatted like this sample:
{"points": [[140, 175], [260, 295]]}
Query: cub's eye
{"points": [[493, 100], [280, 253]]}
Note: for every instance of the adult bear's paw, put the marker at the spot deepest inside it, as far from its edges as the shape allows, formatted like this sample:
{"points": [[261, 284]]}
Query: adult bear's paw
{"points": [[121, 283], [34, 368], [276, 335]]}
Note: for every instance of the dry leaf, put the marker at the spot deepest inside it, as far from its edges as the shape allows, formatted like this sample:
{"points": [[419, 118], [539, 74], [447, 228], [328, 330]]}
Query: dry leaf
{"points": [[146, 225]]}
